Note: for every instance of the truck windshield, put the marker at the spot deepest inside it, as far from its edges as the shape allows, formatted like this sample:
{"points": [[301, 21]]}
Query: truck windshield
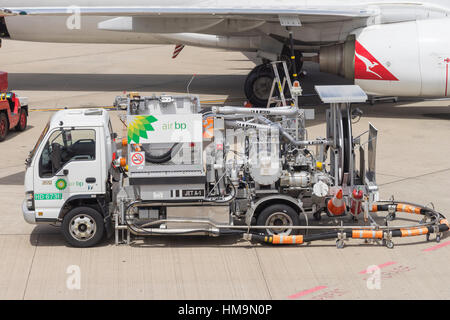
{"points": [[41, 137]]}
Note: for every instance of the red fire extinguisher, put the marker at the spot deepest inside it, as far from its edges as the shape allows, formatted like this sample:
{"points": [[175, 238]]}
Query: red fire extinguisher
{"points": [[357, 197]]}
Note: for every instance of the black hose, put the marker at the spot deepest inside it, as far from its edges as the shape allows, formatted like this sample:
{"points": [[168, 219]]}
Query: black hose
{"points": [[228, 232], [324, 236], [166, 157]]}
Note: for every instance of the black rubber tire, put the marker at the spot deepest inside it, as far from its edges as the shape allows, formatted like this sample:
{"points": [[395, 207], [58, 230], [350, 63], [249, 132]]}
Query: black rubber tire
{"points": [[19, 126], [3, 120], [267, 212], [261, 71], [92, 214]]}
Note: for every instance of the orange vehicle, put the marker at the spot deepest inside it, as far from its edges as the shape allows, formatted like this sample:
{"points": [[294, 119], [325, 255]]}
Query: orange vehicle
{"points": [[13, 111]]}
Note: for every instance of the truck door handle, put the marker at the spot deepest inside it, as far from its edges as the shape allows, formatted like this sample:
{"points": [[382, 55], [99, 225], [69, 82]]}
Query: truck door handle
{"points": [[91, 180]]}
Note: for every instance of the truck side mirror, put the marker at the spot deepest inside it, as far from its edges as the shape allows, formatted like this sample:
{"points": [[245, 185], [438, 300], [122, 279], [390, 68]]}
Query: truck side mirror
{"points": [[64, 173]]}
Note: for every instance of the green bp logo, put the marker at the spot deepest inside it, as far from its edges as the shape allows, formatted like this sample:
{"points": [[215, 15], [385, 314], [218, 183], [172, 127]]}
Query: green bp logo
{"points": [[61, 184], [139, 127]]}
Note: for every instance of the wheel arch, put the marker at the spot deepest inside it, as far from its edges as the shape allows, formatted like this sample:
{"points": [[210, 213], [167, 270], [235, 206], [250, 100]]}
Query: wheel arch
{"points": [[82, 200], [266, 202]]}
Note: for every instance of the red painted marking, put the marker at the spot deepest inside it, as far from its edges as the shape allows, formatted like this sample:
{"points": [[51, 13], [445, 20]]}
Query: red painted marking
{"points": [[367, 67], [177, 50], [306, 292], [446, 76], [439, 246], [381, 266]]}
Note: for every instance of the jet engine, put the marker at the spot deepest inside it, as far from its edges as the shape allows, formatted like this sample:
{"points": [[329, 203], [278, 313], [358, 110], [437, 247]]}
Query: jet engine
{"points": [[399, 59]]}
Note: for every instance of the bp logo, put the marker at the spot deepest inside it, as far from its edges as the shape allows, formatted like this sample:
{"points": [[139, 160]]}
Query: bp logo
{"points": [[139, 127], [61, 184]]}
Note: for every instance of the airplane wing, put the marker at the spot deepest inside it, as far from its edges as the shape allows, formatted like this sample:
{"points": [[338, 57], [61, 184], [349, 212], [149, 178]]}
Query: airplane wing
{"points": [[267, 14]]}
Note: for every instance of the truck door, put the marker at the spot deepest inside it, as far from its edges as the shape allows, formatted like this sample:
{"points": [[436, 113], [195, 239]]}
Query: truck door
{"points": [[69, 165]]}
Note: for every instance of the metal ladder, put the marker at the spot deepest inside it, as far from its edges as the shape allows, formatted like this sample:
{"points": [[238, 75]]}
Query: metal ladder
{"points": [[280, 83]]}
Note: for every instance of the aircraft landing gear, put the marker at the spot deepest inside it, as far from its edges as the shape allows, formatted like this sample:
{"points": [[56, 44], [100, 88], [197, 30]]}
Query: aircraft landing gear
{"points": [[259, 81], [258, 84], [286, 56]]}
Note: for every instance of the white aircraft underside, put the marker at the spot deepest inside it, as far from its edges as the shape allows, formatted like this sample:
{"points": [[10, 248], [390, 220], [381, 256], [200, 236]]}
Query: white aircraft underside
{"points": [[388, 47]]}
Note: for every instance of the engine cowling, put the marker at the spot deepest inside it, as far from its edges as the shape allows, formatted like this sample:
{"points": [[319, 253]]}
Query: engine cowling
{"points": [[399, 59]]}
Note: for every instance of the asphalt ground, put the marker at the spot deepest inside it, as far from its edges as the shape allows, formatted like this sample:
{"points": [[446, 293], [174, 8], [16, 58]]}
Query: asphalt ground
{"points": [[413, 165]]}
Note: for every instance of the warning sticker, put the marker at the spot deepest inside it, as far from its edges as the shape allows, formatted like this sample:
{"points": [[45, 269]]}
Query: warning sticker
{"points": [[138, 158]]}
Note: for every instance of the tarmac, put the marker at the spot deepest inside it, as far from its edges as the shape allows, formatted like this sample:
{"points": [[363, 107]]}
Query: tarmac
{"points": [[413, 165]]}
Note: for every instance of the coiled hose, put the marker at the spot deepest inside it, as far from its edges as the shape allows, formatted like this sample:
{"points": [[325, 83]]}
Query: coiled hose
{"points": [[442, 225], [166, 157]]}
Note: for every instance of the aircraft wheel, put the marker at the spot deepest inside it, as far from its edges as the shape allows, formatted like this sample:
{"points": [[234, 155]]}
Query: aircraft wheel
{"points": [[4, 126], [258, 85]]}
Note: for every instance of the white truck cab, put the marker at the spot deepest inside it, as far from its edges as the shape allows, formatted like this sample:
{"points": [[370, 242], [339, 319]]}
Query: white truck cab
{"points": [[68, 173]]}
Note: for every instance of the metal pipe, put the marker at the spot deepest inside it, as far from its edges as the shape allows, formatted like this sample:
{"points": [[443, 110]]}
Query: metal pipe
{"points": [[247, 125], [235, 116], [218, 226], [142, 231], [297, 143], [199, 203], [280, 111]]}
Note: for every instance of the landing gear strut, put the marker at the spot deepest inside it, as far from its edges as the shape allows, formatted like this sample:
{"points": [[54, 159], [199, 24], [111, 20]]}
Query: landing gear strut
{"points": [[259, 81]]}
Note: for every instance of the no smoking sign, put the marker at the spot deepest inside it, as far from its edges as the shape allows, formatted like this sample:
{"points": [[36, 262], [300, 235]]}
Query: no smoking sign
{"points": [[138, 158]]}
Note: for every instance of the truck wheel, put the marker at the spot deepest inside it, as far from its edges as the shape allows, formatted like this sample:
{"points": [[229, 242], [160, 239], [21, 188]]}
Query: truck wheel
{"points": [[4, 127], [83, 227], [22, 125], [279, 215]]}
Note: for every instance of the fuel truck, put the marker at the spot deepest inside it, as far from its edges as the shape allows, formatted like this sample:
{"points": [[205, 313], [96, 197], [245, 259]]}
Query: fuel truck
{"points": [[186, 170]]}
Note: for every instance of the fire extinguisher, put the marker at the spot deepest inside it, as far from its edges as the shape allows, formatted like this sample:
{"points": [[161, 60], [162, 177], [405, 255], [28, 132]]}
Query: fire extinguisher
{"points": [[356, 200]]}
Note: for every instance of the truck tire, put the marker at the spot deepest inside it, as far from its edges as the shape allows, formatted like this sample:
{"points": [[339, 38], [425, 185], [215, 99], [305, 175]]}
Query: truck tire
{"points": [[279, 215], [83, 227], [4, 126], [23, 119]]}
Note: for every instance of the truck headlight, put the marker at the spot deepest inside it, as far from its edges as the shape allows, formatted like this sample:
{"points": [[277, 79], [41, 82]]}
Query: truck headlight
{"points": [[30, 200]]}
